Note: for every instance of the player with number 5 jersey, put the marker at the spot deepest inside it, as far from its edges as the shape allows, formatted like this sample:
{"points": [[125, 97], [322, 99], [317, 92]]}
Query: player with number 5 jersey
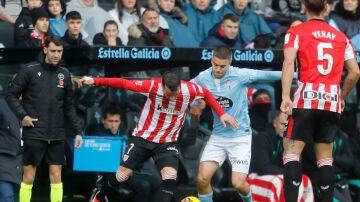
{"points": [[322, 53]]}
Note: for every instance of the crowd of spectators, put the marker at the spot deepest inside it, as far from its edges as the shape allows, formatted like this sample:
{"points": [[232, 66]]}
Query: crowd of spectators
{"points": [[261, 24]]}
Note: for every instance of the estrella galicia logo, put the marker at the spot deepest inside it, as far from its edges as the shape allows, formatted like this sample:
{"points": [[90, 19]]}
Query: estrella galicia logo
{"points": [[166, 53], [225, 103], [269, 56]]}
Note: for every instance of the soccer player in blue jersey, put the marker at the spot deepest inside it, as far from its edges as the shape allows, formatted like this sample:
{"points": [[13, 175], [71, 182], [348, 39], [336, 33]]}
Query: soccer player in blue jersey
{"points": [[228, 85]]}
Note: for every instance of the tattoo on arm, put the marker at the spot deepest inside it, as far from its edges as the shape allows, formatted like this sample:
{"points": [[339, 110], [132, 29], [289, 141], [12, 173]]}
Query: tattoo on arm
{"points": [[289, 144]]}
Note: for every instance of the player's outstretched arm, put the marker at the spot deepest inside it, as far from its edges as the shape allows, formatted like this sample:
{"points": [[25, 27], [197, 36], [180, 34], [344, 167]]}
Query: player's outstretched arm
{"points": [[197, 110], [86, 80]]}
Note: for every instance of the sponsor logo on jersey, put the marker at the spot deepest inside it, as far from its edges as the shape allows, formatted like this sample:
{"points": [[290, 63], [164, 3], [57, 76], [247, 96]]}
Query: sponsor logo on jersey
{"points": [[316, 95], [225, 103], [167, 110]]}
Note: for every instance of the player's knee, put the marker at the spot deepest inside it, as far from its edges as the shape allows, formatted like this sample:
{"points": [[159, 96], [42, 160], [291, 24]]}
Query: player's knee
{"points": [[240, 184], [203, 180], [168, 174], [29, 177]]}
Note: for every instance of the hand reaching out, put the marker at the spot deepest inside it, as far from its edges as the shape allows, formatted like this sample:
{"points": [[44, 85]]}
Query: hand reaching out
{"points": [[227, 118], [86, 80]]}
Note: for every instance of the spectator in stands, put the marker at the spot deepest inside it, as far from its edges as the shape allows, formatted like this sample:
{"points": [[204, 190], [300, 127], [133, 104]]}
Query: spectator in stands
{"points": [[149, 32], [346, 18], [329, 9], [73, 36], [6, 38], [143, 185], [224, 33], [93, 17], [37, 37], [259, 109], [127, 13], [24, 22], [4, 16], [264, 8], [291, 9], [267, 148], [10, 154], [57, 10], [251, 24], [281, 32], [201, 18], [177, 20], [109, 36]]}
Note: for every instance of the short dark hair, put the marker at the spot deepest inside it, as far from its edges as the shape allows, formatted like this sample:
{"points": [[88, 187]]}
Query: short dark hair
{"points": [[171, 80], [230, 16], [148, 9], [112, 109], [63, 7], [262, 41], [260, 92], [53, 38], [223, 52], [315, 6], [73, 15], [110, 22]]}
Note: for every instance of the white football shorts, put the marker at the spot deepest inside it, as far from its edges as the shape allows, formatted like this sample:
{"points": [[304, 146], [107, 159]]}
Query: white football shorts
{"points": [[237, 149]]}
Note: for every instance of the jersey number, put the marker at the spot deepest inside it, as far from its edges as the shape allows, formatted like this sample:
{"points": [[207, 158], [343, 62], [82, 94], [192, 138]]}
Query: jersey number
{"points": [[326, 56]]}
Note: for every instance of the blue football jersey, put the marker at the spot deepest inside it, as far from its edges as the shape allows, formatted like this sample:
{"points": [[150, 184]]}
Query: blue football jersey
{"points": [[231, 93]]}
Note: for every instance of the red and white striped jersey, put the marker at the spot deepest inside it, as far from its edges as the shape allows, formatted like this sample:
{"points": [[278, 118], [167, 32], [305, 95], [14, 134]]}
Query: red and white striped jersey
{"points": [[160, 120], [321, 51]]}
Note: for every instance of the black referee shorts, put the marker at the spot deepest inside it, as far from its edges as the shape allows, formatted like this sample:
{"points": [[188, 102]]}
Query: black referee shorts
{"points": [[35, 150]]}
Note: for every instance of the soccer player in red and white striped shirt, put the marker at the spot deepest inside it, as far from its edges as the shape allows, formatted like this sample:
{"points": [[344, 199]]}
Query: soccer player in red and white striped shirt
{"points": [[159, 124], [322, 53]]}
